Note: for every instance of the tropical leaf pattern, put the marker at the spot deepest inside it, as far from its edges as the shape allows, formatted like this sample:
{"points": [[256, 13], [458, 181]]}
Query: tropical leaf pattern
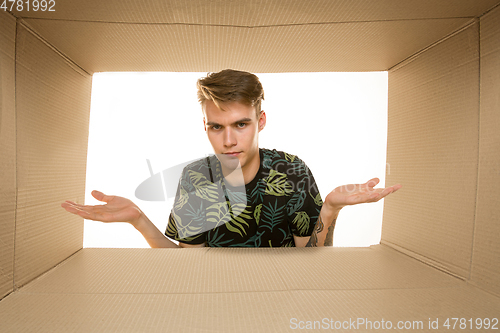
{"points": [[282, 201], [256, 213], [290, 157], [236, 196], [235, 217], [187, 231], [216, 240], [257, 193], [317, 199], [183, 199], [196, 214], [296, 202], [272, 215], [277, 184], [302, 221], [204, 188]]}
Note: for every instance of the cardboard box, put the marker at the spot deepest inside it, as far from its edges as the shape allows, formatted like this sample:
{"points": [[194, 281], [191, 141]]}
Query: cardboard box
{"points": [[439, 257]]}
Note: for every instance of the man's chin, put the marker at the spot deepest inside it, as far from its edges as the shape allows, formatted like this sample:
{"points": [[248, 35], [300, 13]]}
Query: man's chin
{"points": [[229, 161]]}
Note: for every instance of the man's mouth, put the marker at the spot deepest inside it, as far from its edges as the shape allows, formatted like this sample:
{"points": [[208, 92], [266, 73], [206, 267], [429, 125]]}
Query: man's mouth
{"points": [[231, 153]]}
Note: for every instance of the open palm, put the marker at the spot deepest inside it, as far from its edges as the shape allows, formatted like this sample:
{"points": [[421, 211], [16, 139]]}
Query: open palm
{"points": [[116, 209], [354, 194]]}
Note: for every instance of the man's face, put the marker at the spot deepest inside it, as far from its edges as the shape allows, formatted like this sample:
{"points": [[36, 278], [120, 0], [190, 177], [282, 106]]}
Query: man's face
{"points": [[234, 134]]}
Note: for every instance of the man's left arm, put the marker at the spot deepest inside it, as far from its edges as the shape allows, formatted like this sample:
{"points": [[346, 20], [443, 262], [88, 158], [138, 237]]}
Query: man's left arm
{"points": [[340, 197]]}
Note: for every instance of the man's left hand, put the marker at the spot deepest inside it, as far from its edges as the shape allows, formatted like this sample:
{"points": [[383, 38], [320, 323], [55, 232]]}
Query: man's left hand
{"points": [[354, 194]]}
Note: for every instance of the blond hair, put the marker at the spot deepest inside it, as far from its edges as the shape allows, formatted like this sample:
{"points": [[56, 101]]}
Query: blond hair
{"points": [[230, 85]]}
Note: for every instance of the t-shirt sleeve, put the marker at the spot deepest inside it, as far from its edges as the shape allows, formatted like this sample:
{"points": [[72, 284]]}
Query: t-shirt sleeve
{"points": [[305, 203]]}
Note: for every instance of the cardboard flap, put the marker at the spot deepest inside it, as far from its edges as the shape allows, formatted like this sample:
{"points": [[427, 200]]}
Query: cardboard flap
{"points": [[241, 290]]}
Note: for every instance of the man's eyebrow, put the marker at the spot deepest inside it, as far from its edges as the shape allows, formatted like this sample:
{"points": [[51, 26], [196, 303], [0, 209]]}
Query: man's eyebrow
{"points": [[243, 120]]}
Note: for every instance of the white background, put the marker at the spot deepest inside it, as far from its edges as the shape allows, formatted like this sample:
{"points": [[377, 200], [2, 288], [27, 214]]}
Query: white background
{"points": [[335, 122]]}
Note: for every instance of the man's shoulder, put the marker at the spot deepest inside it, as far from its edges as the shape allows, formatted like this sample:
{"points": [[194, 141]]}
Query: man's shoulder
{"points": [[195, 164], [201, 164], [273, 158], [200, 170]]}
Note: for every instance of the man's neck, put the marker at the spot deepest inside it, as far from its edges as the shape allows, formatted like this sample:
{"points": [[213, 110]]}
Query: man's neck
{"points": [[249, 172]]}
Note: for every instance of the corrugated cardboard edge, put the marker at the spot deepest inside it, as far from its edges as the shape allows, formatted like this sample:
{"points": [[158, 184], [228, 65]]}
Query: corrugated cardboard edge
{"points": [[485, 261], [7, 153], [438, 265], [53, 48], [82, 295], [36, 166], [228, 270], [417, 54], [433, 133], [428, 261], [490, 10], [48, 271], [466, 26], [468, 275]]}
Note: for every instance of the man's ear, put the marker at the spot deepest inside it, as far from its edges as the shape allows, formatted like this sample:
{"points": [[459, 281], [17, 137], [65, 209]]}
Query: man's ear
{"points": [[262, 120], [204, 124]]}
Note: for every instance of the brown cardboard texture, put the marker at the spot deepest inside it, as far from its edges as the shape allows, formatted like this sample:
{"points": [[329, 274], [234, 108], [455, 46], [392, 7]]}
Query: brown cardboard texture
{"points": [[7, 152], [239, 290], [439, 257], [51, 154], [485, 269], [442, 116], [318, 35]]}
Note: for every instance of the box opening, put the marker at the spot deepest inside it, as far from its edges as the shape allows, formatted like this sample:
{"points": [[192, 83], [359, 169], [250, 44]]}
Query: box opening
{"points": [[145, 122]]}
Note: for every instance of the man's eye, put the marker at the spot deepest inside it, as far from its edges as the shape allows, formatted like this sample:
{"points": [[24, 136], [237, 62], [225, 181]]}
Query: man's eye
{"points": [[215, 127], [241, 125]]}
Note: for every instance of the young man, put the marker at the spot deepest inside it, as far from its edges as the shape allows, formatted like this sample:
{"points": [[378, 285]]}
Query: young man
{"points": [[243, 195]]}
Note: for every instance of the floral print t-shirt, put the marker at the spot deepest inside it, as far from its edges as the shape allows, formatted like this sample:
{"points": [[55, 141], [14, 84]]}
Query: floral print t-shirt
{"points": [[281, 201]]}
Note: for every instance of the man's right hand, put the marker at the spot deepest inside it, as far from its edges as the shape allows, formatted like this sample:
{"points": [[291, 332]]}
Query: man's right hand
{"points": [[116, 209]]}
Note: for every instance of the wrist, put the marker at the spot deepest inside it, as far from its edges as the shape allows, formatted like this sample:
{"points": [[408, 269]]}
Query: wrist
{"points": [[330, 211], [140, 220]]}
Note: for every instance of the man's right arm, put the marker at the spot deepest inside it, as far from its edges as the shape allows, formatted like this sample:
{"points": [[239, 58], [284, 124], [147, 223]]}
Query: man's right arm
{"points": [[119, 209], [153, 236]]}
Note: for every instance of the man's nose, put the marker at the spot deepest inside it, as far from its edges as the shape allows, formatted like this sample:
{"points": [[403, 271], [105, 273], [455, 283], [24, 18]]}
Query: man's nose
{"points": [[229, 138]]}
